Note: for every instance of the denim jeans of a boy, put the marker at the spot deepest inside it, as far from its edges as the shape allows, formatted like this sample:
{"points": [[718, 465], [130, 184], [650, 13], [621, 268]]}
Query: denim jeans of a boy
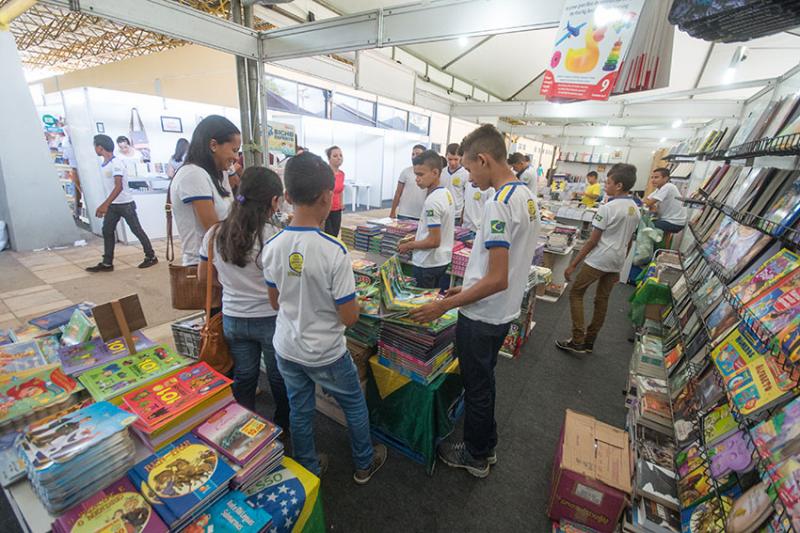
{"points": [[340, 379], [250, 339]]}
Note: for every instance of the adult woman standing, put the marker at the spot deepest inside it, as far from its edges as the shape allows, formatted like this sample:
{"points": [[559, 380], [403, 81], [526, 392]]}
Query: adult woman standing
{"points": [[197, 193], [176, 161], [248, 319], [334, 221]]}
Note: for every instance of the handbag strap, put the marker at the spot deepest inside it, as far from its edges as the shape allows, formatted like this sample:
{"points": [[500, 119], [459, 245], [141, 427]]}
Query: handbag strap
{"points": [[168, 212], [209, 269]]}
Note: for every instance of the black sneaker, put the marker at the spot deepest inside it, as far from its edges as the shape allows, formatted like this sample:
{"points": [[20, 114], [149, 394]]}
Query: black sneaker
{"points": [[148, 262], [588, 346], [569, 346], [457, 456], [492, 458], [362, 477], [100, 267]]}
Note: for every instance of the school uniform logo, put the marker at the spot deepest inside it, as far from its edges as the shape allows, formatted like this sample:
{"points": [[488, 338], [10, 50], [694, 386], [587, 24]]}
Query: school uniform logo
{"points": [[631, 211], [429, 212], [598, 217], [457, 182], [498, 226], [532, 209], [295, 264], [476, 196]]}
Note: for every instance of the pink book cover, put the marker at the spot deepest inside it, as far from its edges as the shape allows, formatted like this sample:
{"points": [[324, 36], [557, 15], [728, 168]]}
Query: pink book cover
{"points": [[118, 507], [237, 433]]}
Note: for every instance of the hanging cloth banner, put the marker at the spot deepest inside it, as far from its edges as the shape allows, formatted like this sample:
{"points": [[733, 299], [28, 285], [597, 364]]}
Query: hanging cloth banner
{"points": [[138, 136], [591, 42], [281, 138]]}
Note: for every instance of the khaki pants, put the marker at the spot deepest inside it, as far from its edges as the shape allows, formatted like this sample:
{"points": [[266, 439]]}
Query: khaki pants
{"points": [[585, 278]]}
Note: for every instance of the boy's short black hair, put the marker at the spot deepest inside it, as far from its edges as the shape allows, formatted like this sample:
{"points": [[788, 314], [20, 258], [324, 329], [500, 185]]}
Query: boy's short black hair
{"points": [[306, 177], [591, 173], [429, 158], [663, 171], [527, 158], [104, 142], [452, 148], [419, 146], [516, 158], [484, 140], [122, 138], [624, 174]]}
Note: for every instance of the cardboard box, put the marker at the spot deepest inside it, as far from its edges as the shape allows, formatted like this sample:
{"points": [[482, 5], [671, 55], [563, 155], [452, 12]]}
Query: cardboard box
{"points": [[591, 473]]}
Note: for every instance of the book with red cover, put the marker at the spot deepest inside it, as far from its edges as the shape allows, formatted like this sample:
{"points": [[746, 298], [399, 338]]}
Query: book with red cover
{"points": [[777, 307], [237, 432], [163, 400]]}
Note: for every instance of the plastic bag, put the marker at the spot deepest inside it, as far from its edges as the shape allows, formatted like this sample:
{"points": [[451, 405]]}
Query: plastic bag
{"points": [[647, 238]]}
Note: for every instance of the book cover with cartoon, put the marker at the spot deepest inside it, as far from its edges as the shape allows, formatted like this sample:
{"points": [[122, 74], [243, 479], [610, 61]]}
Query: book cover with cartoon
{"points": [[22, 396], [237, 432]]}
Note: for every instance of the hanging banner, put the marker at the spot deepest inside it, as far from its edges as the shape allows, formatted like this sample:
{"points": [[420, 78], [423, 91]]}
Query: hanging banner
{"points": [[591, 42], [281, 138]]}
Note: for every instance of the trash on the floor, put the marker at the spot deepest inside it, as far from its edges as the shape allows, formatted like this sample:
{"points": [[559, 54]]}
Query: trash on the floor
{"points": [[81, 242]]}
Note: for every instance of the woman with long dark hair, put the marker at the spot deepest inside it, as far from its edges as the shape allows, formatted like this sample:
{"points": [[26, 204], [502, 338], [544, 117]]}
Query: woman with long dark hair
{"points": [[198, 195], [248, 319], [176, 161], [334, 221]]}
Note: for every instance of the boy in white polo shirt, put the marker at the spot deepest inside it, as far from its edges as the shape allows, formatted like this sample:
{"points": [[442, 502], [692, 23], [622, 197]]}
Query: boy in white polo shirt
{"points": [[455, 178], [489, 300], [310, 280], [666, 203], [432, 246], [474, 200], [604, 254]]}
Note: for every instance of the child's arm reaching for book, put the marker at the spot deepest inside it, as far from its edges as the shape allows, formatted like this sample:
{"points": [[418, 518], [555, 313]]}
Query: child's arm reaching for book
{"points": [[590, 245], [433, 240]]}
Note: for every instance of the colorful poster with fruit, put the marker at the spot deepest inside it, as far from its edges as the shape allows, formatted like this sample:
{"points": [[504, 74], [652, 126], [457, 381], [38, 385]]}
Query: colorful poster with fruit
{"points": [[591, 42]]}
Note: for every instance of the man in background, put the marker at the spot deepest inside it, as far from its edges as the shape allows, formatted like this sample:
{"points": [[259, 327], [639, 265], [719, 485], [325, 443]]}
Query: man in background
{"points": [[523, 170], [408, 197]]}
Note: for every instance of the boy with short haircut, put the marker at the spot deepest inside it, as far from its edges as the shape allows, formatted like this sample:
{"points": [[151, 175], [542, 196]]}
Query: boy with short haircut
{"points": [[455, 178], [408, 197], [603, 256], [666, 203], [119, 204], [311, 284], [432, 246], [524, 171], [490, 297], [591, 193]]}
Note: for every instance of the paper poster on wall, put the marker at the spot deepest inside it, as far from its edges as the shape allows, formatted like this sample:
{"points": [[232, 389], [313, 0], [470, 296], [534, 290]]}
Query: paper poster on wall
{"points": [[591, 43], [281, 138]]}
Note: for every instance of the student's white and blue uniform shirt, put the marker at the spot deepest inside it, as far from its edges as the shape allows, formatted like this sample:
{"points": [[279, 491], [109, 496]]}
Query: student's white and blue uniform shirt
{"points": [[474, 200], [528, 177], [110, 169], [510, 220], [438, 211], [313, 273], [456, 182], [618, 219]]}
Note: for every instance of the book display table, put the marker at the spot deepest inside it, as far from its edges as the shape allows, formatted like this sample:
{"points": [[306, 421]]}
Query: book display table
{"points": [[410, 417]]}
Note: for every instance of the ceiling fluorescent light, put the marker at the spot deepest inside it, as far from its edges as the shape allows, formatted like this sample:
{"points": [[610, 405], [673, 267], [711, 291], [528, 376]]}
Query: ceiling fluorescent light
{"points": [[677, 123], [662, 140], [463, 42]]}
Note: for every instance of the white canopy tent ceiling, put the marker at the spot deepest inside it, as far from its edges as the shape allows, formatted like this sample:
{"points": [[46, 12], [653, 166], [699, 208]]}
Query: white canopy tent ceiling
{"points": [[482, 59]]}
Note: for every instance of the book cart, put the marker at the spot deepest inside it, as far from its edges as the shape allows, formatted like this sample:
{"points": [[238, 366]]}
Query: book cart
{"points": [[714, 412]]}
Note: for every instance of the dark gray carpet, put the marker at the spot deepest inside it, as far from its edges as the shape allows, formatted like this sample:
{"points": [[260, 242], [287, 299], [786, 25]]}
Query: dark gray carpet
{"points": [[533, 392]]}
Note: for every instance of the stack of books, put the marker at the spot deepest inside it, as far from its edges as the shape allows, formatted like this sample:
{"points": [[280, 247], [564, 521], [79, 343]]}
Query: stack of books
{"points": [[78, 358], [460, 260], [29, 397], [233, 512], [399, 292], [561, 239], [72, 453], [348, 237], [418, 351], [366, 330], [375, 243], [463, 234], [394, 234], [171, 406], [118, 507], [182, 480], [79, 329], [248, 440], [364, 234]]}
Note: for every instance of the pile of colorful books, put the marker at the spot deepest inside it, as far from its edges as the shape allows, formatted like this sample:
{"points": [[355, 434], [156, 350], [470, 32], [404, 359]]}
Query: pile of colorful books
{"points": [[463, 234], [395, 233], [418, 351], [72, 452], [460, 260], [171, 406], [348, 237], [78, 358], [248, 440], [364, 234]]}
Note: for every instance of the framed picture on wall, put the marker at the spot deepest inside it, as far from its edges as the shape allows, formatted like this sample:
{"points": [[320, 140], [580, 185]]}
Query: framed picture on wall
{"points": [[171, 125], [101, 128]]}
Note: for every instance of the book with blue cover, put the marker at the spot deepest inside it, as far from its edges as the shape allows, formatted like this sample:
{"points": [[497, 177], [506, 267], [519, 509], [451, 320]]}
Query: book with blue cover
{"points": [[56, 319], [181, 479], [232, 514]]}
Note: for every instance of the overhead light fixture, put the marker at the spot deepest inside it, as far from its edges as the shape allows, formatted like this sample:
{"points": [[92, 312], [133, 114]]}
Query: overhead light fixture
{"points": [[463, 42], [662, 140], [677, 123], [739, 55]]}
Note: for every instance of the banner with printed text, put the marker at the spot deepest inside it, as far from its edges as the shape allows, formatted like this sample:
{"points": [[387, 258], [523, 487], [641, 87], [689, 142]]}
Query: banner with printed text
{"points": [[591, 43], [281, 138]]}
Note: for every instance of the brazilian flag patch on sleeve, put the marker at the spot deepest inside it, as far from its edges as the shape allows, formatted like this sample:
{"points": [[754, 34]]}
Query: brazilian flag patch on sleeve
{"points": [[498, 226]]}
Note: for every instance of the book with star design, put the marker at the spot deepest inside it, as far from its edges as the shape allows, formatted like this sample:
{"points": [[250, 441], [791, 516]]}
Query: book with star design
{"points": [[232, 514]]}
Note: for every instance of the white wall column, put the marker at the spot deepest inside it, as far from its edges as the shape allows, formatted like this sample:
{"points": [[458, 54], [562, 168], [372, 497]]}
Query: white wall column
{"points": [[31, 198]]}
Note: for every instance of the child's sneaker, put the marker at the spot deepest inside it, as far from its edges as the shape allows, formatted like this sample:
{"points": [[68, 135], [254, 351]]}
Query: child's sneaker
{"points": [[457, 456], [492, 457], [570, 346], [362, 477]]}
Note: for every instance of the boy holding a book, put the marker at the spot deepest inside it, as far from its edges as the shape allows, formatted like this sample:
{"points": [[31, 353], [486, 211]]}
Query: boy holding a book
{"points": [[490, 297], [432, 247], [604, 254], [311, 284]]}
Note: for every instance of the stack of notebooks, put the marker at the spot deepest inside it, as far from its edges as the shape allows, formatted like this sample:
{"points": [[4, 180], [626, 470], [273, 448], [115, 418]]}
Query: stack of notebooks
{"points": [[70, 454], [463, 234], [249, 441], [182, 480], [171, 406], [366, 331], [375, 244], [112, 380], [418, 351], [348, 237], [399, 292], [395, 233], [460, 260], [364, 235]]}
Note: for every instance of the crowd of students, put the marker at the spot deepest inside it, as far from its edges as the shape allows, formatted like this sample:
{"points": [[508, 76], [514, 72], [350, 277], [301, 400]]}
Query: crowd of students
{"points": [[288, 294]]}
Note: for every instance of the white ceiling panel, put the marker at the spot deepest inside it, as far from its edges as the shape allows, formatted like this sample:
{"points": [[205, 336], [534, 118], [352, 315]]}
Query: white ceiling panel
{"points": [[440, 53], [767, 57]]}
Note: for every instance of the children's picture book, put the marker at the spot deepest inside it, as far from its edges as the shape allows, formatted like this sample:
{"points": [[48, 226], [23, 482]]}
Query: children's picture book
{"points": [[23, 397], [232, 514], [777, 307], [788, 339], [79, 329], [21, 358], [785, 210], [181, 478], [161, 400], [777, 438], [116, 508], [655, 516], [126, 373], [79, 358], [399, 293], [751, 510], [732, 454], [60, 439], [26, 333], [61, 317], [49, 346], [237, 432], [658, 484], [768, 275], [12, 467], [758, 386], [5, 337], [718, 424]]}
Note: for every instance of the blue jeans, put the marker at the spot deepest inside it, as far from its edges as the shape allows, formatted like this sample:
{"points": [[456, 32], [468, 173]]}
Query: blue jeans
{"points": [[248, 339], [667, 227], [340, 379], [430, 277]]}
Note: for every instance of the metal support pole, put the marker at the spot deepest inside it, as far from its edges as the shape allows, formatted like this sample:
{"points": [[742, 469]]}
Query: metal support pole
{"points": [[242, 88], [253, 82]]}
